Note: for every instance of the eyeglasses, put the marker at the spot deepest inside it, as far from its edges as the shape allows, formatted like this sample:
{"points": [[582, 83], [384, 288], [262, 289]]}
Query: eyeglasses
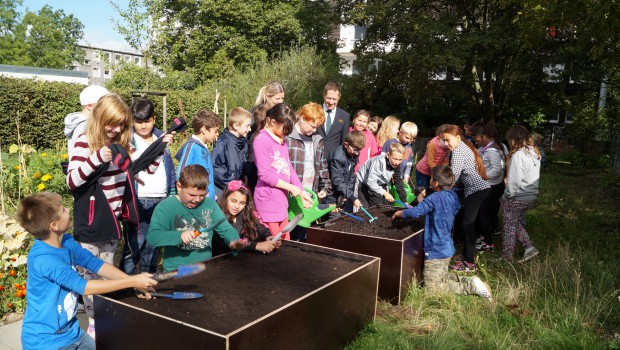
{"points": [[353, 150]]}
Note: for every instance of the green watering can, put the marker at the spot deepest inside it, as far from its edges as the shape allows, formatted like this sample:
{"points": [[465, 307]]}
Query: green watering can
{"points": [[296, 206], [410, 195]]}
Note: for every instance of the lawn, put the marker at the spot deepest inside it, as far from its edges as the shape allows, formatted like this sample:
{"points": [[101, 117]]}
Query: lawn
{"points": [[566, 298]]}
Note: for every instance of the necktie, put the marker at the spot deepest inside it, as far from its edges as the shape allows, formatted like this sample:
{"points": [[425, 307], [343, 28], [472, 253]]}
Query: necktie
{"points": [[328, 121]]}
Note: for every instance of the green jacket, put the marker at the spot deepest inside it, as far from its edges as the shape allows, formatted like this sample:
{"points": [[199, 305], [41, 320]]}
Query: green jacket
{"points": [[171, 218]]}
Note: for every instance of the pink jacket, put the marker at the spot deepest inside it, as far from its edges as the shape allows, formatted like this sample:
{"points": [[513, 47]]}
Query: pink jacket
{"points": [[440, 154], [371, 149]]}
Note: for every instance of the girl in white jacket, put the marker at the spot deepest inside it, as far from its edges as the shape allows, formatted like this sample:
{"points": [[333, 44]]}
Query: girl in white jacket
{"points": [[523, 170]]}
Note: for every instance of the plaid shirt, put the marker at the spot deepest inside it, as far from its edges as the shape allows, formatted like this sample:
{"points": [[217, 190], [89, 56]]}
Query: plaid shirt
{"points": [[296, 152]]}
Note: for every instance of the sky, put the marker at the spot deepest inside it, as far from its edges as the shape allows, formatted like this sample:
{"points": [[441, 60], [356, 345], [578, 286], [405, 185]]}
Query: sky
{"points": [[95, 15]]}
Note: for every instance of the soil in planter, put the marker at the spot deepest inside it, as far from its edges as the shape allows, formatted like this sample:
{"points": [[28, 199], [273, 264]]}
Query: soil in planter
{"points": [[383, 227], [239, 290]]}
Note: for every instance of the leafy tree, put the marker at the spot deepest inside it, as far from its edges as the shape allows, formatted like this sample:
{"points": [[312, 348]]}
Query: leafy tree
{"points": [[46, 39], [497, 54], [213, 38]]}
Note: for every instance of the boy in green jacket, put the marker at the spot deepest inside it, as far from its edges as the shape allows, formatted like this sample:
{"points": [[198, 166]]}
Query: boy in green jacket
{"points": [[184, 224]]}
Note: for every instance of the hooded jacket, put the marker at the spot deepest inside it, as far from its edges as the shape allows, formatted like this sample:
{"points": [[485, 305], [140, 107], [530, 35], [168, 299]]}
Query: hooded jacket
{"points": [[342, 173], [75, 125], [230, 159], [523, 175], [194, 152], [296, 151]]}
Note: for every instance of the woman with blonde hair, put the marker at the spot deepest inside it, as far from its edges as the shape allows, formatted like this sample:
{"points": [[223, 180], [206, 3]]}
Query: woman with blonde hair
{"points": [[270, 95], [388, 130], [102, 182]]}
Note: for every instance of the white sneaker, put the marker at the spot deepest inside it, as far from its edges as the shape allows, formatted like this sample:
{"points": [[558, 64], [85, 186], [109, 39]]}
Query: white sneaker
{"points": [[529, 253], [482, 289]]}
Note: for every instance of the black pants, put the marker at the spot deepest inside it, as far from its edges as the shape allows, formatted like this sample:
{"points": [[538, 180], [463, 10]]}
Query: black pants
{"points": [[471, 206], [489, 209], [370, 198]]}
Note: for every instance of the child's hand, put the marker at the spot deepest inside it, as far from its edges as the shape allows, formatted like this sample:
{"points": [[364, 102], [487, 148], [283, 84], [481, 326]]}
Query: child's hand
{"points": [[406, 179], [421, 195], [322, 194], [187, 236], [143, 282], [295, 191], [278, 243], [388, 197], [239, 244], [398, 215], [106, 154], [168, 138], [307, 199], [266, 246], [357, 205]]}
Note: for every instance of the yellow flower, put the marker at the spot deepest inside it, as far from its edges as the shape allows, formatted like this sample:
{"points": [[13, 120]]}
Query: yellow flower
{"points": [[65, 156], [46, 177], [17, 167], [41, 187], [36, 175], [43, 154]]}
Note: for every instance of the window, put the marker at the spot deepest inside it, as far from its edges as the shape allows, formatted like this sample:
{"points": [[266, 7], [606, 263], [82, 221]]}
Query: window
{"points": [[136, 60], [127, 58], [107, 74], [568, 117], [118, 58], [359, 32], [96, 72], [96, 56], [87, 62], [555, 119], [107, 56]]}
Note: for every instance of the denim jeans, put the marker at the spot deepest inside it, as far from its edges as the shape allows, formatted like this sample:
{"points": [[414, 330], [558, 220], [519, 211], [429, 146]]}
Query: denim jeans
{"points": [[135, 248], [85, 342]]}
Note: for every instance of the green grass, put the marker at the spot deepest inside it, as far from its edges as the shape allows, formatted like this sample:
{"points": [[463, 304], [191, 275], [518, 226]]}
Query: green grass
{"points": [[566, 298]]}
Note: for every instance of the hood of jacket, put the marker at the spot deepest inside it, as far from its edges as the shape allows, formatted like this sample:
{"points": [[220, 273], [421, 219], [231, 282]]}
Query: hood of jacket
{"points": [[229, 137], [72, 120], [315, 137]]}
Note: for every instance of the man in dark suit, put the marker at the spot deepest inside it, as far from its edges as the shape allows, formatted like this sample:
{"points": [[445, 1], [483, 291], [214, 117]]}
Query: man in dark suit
{"points": [[336, 126]]}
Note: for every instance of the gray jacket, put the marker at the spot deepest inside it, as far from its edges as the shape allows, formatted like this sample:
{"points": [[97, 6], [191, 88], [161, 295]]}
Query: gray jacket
{"points": [[523, 175]]}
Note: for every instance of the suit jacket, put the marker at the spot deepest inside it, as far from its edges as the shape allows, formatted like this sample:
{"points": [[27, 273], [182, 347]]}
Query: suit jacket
{"points": [[338, 131]]}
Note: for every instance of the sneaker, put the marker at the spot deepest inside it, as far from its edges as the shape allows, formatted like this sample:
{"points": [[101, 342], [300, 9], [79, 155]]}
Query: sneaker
{"points": [[485, 247], [479, 240], [529, 253], [464, 266], [91, 331], [482, 289]]}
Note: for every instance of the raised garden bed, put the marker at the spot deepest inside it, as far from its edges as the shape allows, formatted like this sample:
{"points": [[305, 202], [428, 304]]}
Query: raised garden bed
{"points": [[298, 297], [399, 244]]}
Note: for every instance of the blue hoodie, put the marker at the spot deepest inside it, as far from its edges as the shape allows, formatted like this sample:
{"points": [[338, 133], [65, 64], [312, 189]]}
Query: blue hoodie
{"points": [[230, 159], [440, 209], [194, 152]]}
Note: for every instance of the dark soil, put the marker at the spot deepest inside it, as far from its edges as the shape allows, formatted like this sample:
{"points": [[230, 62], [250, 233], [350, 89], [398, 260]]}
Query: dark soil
{"points": [[239, 290], [383, 227]]}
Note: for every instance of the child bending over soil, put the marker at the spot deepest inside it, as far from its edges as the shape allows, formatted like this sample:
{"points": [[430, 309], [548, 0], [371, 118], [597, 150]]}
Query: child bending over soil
{"points": [[440, 209]]}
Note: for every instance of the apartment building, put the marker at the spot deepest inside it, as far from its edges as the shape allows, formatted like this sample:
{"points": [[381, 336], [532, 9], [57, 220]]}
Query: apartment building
{"points": [[99, 63]]}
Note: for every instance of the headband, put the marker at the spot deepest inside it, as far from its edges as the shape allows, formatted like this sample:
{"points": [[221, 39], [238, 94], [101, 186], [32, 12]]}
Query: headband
{"points": [[235, 185]]}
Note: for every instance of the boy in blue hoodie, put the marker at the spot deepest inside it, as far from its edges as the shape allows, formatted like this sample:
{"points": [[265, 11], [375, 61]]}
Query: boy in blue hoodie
{"points": [[53, 281], [230, 153], [206, 126], [440, 209]]}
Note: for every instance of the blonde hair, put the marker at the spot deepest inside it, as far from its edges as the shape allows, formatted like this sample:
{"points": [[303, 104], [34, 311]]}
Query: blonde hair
{"points": [[312, 112], [237, 115], [409, 128], [396, 147], [271, 89], [386, 132], [109, 111]]}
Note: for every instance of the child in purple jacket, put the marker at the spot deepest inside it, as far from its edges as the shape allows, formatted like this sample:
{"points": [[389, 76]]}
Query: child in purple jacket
{"points": [[276, 175]]}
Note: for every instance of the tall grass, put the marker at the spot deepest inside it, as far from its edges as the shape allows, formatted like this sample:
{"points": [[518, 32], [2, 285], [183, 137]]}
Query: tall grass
{"points": [[566, 298]]}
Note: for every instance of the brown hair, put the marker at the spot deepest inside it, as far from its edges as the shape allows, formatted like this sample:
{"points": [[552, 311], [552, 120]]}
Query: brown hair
{"points": [[518, 137], [207, 119], [455, 130], [378, 120], [312, 112], [237, 115], [356, 139], [110, 110], [36, 212], [194, 176], [444, 175], [249, 216], [362, 112], [332, 85]]}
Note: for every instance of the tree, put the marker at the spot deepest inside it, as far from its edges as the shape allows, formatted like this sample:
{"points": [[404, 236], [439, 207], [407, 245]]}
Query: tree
{"points": [[499, 53], [213, 38], [46, 39]]}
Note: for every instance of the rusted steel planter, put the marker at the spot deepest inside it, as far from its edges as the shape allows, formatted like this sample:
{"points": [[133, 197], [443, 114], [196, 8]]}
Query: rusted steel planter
{"points": [[327, 316], [402, 260]]}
